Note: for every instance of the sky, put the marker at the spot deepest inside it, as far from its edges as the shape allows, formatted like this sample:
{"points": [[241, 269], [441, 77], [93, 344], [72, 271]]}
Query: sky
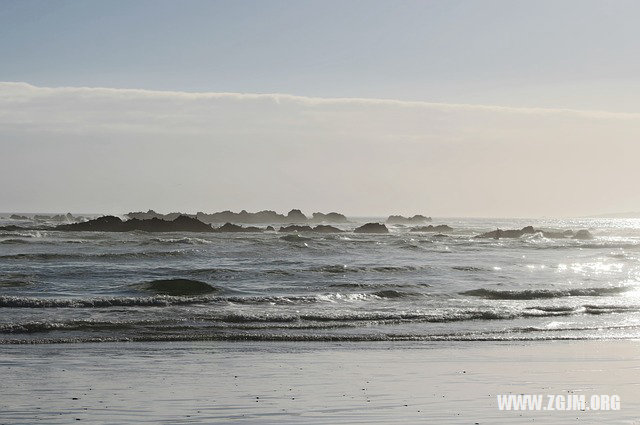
{"points": [[443, 108]]}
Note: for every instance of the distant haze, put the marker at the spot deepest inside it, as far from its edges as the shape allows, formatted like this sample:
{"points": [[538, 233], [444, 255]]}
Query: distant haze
{"points": [[115, 150]]}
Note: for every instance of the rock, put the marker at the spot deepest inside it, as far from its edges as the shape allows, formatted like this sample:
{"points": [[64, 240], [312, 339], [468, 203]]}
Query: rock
{"points": [[557, 235], [234, 228], [497, 234], [18, 217], [114, 224], [107, 223], [332, 217], [64, 217], [295, 228], [326, 229], [242, 217], [431, 228], [583, 234], [372, 228], [177, 287], [152, 214], [296, 216], [416, 219], [13, 228], [317, 229], [270, 229]]}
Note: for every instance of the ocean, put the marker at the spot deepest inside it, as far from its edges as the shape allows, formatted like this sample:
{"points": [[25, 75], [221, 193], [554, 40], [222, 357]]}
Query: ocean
{"points": [[91, 287]]}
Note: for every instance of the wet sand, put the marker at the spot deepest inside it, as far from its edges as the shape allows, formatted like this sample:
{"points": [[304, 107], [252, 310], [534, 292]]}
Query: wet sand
{"points": [[248, 382]]}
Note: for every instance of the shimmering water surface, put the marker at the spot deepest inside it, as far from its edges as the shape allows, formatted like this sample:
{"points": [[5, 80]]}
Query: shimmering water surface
{"points": [[86, 286]]}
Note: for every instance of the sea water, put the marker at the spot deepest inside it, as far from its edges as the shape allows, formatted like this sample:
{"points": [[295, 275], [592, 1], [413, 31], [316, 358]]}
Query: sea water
{"points": [[94, 286]]}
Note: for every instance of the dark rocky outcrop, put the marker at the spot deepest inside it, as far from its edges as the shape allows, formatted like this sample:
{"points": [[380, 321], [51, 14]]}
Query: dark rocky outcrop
{"points": [[317, 229], [372, 228], [416, 219], [114, 224], [529, 230], [332, 217], [177, 287], [557, 234], [13, 228], [498, 233], [18, 217], [266, 216], [234, 228], [295, 228], [152, 214], [68, 217], [431, 228], [294, 216], [326, 229], [243, 217], [583, 234]]}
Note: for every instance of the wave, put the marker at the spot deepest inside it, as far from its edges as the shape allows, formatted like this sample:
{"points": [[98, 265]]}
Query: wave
{"points": [[318, 337], [14, 241], [151, 301], [177, 241], [294, 327], [13, 283], [556, 244], [361, 285], [470, 269], [392, 293], [554, 309], [533, 294], [156, 301], [81, 256], [74, 325], [339, 268], [295, 238], [608, 309]]}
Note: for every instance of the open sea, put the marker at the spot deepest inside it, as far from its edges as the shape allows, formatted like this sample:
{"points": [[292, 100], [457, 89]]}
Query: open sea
{"points": [[88, 287]]}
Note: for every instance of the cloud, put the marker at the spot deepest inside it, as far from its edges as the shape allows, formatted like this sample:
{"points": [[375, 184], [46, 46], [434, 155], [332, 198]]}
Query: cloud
{"points": [[21, 92], [116, 149]]}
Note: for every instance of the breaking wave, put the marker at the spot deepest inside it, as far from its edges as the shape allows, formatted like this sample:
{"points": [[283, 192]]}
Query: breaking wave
{"points": [[533, 294]]}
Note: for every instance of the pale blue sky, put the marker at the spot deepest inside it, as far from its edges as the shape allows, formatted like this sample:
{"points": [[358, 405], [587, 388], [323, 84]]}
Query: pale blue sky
{"points": [[579, 54]]}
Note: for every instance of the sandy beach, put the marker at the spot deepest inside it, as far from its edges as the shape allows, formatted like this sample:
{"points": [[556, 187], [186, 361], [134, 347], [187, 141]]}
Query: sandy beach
{"points": [[206, 382]]}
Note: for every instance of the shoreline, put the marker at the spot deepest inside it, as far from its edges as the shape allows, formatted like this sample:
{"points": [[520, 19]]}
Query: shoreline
{"points": [[310, 382]]}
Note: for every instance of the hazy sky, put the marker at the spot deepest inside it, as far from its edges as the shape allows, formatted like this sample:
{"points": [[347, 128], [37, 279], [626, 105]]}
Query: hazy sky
{"points": [[482, 108]]}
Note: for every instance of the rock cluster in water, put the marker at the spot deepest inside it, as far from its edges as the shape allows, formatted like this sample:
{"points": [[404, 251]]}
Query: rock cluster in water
{"points": [[416, 219], [61, 218], [234, 228], [529, 230], [317, 229], [186, 223], [111, 223], [431, 228], [372, 228], [294, 216]]}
